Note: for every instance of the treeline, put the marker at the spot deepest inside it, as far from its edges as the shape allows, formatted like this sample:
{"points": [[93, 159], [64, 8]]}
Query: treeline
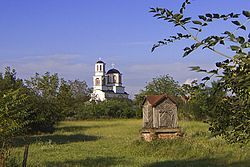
{"points": [[36, 105], [194, 101], [47, 99]]}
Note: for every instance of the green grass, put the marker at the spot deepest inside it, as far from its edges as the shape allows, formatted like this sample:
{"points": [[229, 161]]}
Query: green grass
{"points": [[117, 143]]}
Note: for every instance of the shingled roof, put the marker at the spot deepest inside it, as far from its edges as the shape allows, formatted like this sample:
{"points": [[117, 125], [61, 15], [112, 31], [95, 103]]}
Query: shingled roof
{"points": [[156, 99]]}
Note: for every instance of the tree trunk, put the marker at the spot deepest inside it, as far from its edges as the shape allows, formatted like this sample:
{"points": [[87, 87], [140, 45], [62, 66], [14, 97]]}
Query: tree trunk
{"points": [[25, 155]]}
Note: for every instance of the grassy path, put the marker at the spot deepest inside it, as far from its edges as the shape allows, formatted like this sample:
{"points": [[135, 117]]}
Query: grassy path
{"points": [[117, 143]]}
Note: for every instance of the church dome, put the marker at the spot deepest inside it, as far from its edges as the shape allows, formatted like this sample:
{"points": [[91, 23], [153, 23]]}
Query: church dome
{"points": [[99, 61], [113, 71]]}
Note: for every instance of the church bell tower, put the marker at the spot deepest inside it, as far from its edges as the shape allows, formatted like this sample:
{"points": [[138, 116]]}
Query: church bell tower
{"points": [[99, 79]]}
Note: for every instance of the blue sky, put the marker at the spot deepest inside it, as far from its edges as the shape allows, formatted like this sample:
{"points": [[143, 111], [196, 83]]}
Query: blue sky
{"points": [[68, 36]]}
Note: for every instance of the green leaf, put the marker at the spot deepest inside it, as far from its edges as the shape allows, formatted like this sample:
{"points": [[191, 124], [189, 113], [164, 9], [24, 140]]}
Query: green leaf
{"points": [[234, 48], [152, 10], [213, 71], [197, 22], [187, 53], [246, 13], [206, 78], [202, 17], [180, 17], [236, 22], [246, 45], [204, 24], [186, 48], [215, 15], [195, 68], [156, 15], [181, 10], [194, 28], [241, 40], [222, 42], [243, 27], [218, 64], [209, 15]]}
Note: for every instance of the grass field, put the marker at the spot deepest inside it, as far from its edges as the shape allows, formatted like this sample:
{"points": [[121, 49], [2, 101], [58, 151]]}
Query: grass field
{"points": [[117, 143]]}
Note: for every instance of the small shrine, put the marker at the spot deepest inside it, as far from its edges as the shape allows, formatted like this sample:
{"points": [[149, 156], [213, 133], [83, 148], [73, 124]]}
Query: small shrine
{"points": [[159, 118]]}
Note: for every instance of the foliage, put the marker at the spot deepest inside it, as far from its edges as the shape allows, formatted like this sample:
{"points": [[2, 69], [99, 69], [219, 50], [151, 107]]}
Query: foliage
{"points": [[163, 84], [233, 113], [116, 143], [14, 110], [160, 85], [54, 99], [75, 94], [79, 90], [202, 98], [112, 108], [46, 86], [46, 109]]}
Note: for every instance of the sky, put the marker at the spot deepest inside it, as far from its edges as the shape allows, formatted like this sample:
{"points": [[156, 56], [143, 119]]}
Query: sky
{"points": [[68, 36]]}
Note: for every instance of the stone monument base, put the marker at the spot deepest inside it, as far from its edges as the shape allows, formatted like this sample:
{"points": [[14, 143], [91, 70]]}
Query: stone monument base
{"points": [[149, 134]]}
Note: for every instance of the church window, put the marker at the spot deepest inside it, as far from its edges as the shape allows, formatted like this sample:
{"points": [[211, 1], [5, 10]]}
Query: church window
{"points": [[103, 81], [120, 79], [110, 79], [114, 79], [100, 67], [97, 82]]}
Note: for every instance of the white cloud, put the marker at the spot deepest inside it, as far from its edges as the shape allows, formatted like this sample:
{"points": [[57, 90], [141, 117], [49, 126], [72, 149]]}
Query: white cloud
{"points": [[189, 81], [66, 65], [136, 76], [71, 66]]}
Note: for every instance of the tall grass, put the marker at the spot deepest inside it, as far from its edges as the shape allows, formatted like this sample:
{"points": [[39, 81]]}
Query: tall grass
{"points": [[117, 143]]}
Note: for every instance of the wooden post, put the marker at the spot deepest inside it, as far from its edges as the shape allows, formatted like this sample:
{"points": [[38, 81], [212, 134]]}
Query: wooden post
{"points": [[2, 158], [25, 155]]}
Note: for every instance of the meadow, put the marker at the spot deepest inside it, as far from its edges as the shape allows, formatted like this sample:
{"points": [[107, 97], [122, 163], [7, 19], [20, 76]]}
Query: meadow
{"points": [[117, 143]]}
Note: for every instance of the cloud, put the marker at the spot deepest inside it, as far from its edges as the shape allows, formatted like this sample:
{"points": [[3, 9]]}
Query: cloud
{"points": [[72, 66], [137, 76], [189, 81], [66, 65]]}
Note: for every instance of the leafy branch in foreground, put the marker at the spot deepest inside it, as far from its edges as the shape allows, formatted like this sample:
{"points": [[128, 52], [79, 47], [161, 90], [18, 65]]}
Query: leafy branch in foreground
{"points": [[231, 118]]}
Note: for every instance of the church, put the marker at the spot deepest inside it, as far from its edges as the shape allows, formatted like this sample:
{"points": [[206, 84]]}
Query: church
{"points": [[107, 85]]}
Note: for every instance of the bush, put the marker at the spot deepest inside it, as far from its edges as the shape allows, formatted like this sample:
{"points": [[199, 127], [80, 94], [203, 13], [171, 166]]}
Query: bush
{"points": [[113, 108]]}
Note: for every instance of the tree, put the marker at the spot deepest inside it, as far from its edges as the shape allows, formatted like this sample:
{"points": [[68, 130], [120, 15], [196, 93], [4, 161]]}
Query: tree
{"points": [[80, 90], [65, 99], [160, 85], [233, 111], [14, 111], [46, 108], [46, 86], [9, 81], [163, 84], [201, 100]]}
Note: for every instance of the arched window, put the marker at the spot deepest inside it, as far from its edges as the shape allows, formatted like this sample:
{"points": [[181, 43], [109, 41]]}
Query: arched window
{"points": [[114, 79], [97, 82], [100, 67], [103, 81], [120, 79]]}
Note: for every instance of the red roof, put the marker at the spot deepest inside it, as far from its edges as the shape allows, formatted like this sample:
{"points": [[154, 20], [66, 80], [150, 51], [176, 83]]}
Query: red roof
{"points": [[156, 99]]}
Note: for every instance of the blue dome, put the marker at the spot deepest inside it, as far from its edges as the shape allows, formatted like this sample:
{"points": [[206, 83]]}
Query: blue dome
{"points": [[113, 71], [100, 62]]}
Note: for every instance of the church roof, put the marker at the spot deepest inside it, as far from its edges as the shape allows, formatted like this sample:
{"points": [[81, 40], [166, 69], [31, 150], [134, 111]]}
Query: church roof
{"points": [[99, 61], [112, 71], [154, 100]]}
